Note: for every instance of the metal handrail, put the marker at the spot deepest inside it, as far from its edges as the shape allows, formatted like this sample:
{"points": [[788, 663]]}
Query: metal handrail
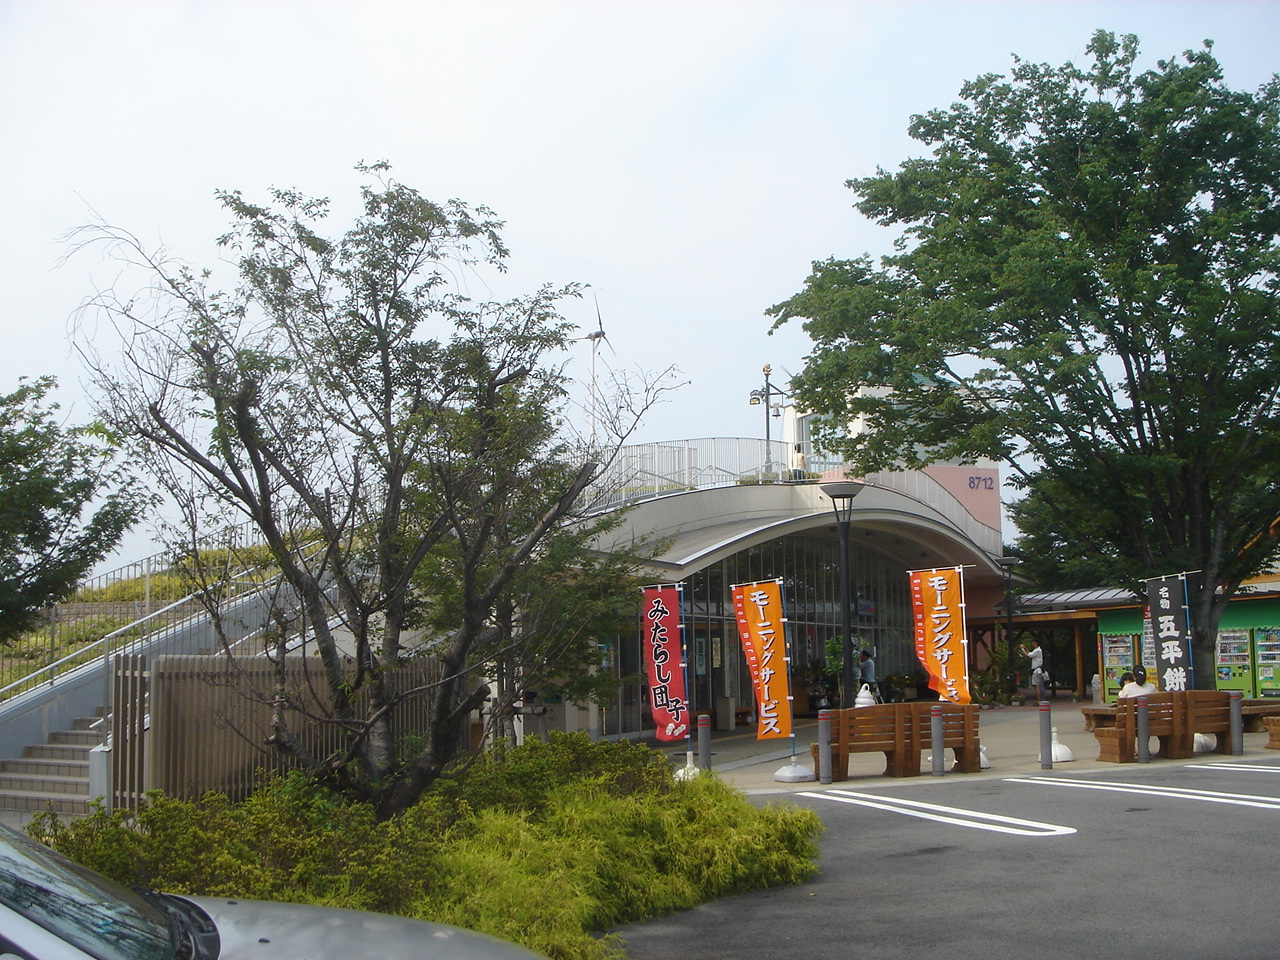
{"points": [[154, 573], [648, 471], [122, 639]]}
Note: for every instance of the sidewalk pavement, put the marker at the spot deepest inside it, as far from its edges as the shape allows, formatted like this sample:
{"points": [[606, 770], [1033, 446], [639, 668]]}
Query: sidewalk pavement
{"points": [[1010, 737]]}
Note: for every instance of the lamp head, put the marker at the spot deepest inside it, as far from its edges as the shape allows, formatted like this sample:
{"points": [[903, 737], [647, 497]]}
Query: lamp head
{"points": [[843, 489], [842, 493]]}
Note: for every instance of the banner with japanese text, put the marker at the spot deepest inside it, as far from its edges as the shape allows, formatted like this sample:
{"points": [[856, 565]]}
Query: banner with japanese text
{"points": [[1171, 631], [937, 600], [664, 657], [762, 629]]}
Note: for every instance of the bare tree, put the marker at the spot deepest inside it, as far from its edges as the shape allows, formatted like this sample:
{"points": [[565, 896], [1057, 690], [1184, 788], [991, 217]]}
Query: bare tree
{"points": [[400, 447]]}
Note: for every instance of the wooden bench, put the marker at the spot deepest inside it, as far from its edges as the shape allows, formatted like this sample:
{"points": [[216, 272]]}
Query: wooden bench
{"points": [[1272, 726], [1099, 715], [1116, 742], [1173, 718], [959, 732], [1252, 712], [1207, 712], [1255, 712], [901, 731]]}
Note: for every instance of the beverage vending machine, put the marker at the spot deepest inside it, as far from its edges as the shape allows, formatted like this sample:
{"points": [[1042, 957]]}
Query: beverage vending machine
{"points": [[1117, 652], [1233, 662], [1266, 646]]}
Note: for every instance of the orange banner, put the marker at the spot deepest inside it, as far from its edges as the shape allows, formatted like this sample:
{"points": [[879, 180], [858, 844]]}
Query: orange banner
{"points": [[937, 597], [762, 629]]}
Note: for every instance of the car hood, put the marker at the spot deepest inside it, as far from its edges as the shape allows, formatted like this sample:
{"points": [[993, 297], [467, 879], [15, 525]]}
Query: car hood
{"points": [[256, 930]]}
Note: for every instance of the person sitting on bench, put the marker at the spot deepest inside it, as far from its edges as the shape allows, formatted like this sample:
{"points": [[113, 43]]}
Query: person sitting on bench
{"points": [[1138, 686]]}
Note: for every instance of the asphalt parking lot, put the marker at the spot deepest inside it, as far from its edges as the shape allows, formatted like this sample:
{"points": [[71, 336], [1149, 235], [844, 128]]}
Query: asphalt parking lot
{"points": [[1171, 858]]}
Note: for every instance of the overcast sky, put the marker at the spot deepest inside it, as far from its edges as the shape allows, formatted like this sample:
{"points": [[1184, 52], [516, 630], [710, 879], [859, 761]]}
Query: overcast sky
{"points": [[685, 159]]}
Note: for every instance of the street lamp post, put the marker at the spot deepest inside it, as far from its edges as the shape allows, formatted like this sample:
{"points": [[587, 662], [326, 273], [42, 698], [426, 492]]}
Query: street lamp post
{"points": [[842, 493], [765, 395], [1006, 565]]}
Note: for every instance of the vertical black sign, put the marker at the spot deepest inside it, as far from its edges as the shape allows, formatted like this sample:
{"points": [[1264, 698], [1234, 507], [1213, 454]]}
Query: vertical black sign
{"points": [[1167, 598]]}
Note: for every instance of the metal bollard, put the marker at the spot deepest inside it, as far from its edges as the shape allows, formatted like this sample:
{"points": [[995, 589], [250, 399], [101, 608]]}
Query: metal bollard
{"points": [[1046, 736], [704, 741], [1237, 722], [824, 746], [935, 734], [1144, 732]]}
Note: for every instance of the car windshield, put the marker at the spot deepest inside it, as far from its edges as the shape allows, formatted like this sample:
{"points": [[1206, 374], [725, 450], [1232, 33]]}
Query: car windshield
{"points": [[90, 912]]}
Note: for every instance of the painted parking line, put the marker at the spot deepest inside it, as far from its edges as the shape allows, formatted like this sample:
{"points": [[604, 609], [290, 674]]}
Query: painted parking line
{"points": [[940, 814], [1177, 793], [1229, 765]]}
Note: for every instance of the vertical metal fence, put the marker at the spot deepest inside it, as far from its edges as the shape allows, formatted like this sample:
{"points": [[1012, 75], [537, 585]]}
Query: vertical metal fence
{"points": [[210, 717]]}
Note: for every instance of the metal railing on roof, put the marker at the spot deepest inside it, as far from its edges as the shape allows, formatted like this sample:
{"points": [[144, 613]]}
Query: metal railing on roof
{"points": [[643, 471], [646, 471]]}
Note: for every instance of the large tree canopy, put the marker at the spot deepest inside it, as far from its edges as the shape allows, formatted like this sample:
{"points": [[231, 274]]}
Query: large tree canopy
{"points": [[399, 446], [1085, 286], [64, 504]]}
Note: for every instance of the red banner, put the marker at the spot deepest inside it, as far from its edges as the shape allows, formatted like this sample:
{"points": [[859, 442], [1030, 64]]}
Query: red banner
{"points": [[761, 626], [937, 597], [663, 629]]}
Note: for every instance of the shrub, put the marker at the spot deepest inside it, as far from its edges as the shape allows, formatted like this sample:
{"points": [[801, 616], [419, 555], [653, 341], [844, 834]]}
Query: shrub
{"points": [[545, 844], [524, 778]]}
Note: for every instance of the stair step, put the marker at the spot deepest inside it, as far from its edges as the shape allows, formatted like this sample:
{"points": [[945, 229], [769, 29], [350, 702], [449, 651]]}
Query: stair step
{"points": [[57, 751], [39, 801], [75, 786], [31, 767], [87, 723], [85, 738]]}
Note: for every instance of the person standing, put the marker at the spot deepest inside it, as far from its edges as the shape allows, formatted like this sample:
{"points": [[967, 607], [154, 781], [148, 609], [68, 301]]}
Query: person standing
{"points": [[799, 464], [867, 668], [1039, 676], [867, 673]]}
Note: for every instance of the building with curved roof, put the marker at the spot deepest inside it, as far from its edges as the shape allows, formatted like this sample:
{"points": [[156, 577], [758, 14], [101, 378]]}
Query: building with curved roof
{"points": [[722, 517]]}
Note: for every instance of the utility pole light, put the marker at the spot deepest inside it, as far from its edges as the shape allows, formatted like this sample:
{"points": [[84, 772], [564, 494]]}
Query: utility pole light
{"points": [[842, 493], [764, 395]]}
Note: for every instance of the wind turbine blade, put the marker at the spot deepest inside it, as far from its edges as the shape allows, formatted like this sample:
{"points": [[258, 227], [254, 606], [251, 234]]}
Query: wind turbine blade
{"points": [[600, 334]]}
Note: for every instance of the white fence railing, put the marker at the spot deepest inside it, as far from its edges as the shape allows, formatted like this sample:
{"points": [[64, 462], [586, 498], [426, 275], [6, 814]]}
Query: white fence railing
{"points": [[647, 470]]}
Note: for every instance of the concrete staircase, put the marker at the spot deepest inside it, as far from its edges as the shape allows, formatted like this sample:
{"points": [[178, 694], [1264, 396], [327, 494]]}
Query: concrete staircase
{"points": [[54, 775]]}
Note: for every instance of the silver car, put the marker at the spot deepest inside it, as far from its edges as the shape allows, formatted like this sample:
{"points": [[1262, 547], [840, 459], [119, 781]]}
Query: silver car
{"points": [[54, 909]]}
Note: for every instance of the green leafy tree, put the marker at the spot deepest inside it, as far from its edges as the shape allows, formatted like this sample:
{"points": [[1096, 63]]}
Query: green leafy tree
{"points": [[551, 623], [64, 504], [1058, 556], [1084, 287], [400, 447]]}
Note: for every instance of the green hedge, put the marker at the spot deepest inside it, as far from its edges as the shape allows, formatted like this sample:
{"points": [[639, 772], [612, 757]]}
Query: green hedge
{"points": [[548, 845]]}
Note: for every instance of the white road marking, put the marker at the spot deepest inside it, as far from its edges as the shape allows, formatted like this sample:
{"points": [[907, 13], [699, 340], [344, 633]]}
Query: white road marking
{"points": [[952, 815], [1177, 793], [1228, 765]]}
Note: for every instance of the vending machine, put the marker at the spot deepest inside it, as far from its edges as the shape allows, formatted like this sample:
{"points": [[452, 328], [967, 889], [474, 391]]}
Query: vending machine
{"points": [[1266, 647], [1233, 662], [1117, 652]]}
